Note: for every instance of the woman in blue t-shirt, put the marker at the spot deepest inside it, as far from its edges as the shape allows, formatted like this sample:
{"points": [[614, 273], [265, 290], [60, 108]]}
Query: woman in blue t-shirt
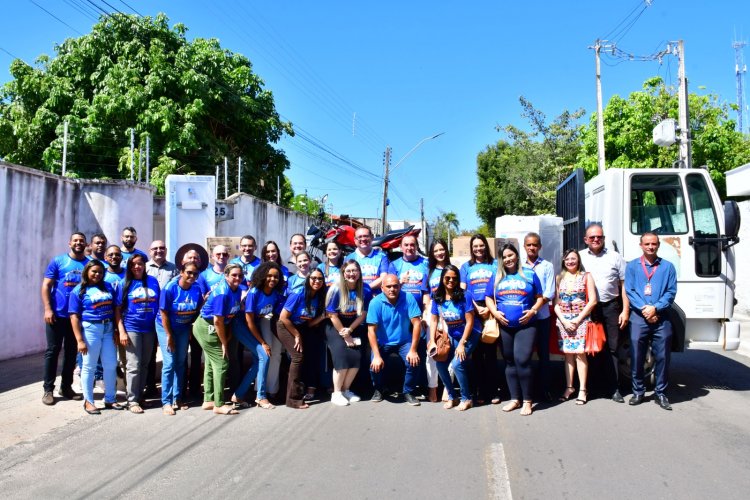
{"points": [[453, 309], [271, 253], [213, 331], [437, 259], [261, 303], [297, 329], [346, 307], [332, 266], [135, 315], [476, 275], [91, 311], [296, 282], [179, 304], [514, 298]]}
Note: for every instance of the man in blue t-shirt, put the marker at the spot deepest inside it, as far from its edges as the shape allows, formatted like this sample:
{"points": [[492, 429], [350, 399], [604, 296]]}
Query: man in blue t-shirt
{"points": [[373, 261], [129, 238], [248, 260], [393, 320], [62, 275]]}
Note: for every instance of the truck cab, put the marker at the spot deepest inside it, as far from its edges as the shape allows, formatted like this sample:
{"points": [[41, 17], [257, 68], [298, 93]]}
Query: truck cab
{"points": [[696, 233]]}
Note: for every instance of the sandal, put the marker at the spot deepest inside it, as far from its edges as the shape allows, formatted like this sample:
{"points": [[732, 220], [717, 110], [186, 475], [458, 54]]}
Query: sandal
{"points": [[114, 406], [568, 394], [208, 405], [580, 401], [450, 404], [93, 411], [135, 408], [465, 405], [180, 405], [225, 410], [527, 408], [512, 405], [238, 403], [495, 401], [168, 410], [265, 404]]}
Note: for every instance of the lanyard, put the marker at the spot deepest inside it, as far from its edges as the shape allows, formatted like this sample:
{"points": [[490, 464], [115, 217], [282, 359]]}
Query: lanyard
{"points": [[645, 271]]}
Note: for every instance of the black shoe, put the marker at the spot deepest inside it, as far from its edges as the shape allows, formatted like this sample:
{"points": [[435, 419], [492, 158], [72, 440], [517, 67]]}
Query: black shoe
{"points": [[48, 398], [410, 399], [617, 397], [636, 400], [662, 401], [377, 397], [95, 411], [114, 406], [69, 393]]}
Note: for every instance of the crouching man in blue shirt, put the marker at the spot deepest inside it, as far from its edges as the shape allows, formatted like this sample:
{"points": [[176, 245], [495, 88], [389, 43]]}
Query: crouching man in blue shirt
{"points": [[651, 286], [393, 321]]}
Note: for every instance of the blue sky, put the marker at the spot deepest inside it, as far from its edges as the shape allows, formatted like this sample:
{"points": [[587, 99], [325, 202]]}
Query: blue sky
{"points": [[360, 76]]}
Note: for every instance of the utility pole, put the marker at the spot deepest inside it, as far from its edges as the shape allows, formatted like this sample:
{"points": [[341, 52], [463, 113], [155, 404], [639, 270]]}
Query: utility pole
{"points": [[740, 68], [132, 152], [148, 164], [226, 180], [383, 217], [278, 190], [598, 46], [65, 147], [424, 226], [239, 174], [217, 181], [684, 117]]}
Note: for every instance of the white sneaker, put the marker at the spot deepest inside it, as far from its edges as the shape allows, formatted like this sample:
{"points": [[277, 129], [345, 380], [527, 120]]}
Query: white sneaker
{"points": [[339, 399], [99, 387], [353, 398]]}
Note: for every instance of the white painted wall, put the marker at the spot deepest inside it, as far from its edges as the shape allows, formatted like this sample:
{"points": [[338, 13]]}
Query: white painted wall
{"points": [[263, 220], [39, 212]]}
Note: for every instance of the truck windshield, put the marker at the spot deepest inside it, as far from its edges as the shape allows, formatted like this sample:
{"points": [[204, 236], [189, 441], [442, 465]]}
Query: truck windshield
{"points": [[706, 244], [657, 204]]}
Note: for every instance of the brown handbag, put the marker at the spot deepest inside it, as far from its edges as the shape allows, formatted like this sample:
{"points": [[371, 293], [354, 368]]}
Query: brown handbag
{"points": [[442, 341], [490, 331]]}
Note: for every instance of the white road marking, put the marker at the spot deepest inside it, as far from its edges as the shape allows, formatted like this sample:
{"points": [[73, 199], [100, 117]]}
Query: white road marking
{"points": [[498, 482]]}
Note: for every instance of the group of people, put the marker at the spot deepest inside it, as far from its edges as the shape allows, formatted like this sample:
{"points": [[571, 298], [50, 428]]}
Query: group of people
{"points": [[343, 325]]}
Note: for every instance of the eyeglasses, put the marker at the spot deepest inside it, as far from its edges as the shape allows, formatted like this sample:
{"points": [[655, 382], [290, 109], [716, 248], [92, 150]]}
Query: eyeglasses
{"points": [[595, 237], [450, 278], [316, 278], [363, 237], [191, 273], [158, 248], [114, 255]]}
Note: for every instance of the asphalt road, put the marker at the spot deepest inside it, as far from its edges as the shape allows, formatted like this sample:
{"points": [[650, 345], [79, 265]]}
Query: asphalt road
{"points": [[392, 450]]}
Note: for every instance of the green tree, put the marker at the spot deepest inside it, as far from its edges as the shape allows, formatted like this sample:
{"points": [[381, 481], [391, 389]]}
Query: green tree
{"points": [[628, 126], [520, 175], [304, 204], [447, 226], [196, 101]]}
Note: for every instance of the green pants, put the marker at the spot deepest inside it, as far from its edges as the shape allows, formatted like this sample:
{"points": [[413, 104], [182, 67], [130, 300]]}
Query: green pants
{"points": [[217, 366]]}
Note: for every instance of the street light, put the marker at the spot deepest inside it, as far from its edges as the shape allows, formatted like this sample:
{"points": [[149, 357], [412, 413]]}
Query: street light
{"points": [[387, 168]]}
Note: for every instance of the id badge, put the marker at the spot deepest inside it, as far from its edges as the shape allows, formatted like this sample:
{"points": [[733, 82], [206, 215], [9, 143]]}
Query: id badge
{"points": [[647, 290]]}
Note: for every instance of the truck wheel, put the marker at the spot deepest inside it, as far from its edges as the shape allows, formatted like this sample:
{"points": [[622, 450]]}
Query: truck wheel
{"points": [[649, 374]]}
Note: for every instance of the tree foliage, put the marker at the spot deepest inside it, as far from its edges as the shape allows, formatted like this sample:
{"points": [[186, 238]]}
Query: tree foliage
{"points": [[446, 226], [628, 126], [196, 101], [306, 205], [519, 175]]}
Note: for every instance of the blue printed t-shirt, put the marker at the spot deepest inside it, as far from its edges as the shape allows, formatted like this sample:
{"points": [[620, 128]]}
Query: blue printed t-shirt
{"points": [[181, 305], [222, 301], [432, 281], [295, 284], [348, 310], [373, 265], [476, 278], [95, 305], [454, 314], [411, 275], [515, 293], [127, 255], [143, 304], [208, 279], [332, 276], [247, 267], [295, 304], [260, 304], [65, 273], [394, 321]]}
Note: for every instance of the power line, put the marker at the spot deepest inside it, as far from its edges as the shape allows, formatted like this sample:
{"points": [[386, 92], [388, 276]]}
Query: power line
{"points": [[54, 16]]}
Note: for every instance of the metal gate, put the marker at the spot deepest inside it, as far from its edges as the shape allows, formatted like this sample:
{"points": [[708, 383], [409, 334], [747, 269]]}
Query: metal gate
{"points": [[570, 205]]}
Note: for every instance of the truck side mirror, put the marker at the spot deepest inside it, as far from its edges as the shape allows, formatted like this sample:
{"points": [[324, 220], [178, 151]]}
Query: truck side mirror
{"points": [[731, 219]]}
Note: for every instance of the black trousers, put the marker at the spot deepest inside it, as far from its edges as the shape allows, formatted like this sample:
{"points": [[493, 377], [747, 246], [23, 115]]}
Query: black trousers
{"points": [[605, 365], [59, 338]]}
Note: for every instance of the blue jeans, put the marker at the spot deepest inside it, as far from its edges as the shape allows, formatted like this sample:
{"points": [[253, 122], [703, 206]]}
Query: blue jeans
{"points": [[410, 378], [99, 342], [660, 334], [460, 368], [173, 363], [259, 367]]}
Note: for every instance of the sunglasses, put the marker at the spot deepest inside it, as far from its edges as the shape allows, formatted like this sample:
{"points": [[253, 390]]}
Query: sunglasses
{"points": [[450, 278], [315, 278], [191, 273]]}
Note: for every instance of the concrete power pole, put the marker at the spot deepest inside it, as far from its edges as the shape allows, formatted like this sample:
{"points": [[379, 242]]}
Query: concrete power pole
{"points": [[65, 148], [226, 179], [148, 163], [684, 117], [424, 226], [132, 152], [384, 215], [239, 174], [599, 111]]}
